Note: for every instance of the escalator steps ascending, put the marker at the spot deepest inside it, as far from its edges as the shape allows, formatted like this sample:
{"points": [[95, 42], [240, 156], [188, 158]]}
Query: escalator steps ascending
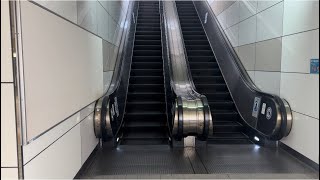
{"points": [[208, 78], [145, 117]]}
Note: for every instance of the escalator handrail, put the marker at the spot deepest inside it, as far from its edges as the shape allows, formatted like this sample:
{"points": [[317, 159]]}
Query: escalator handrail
{"points": [[186, 81], [118, 69], [185, 51], [189, 104]]}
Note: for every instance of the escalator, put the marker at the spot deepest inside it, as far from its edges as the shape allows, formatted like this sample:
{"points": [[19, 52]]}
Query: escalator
{"points": [[145, 111], [208, 79], [177, 76]]}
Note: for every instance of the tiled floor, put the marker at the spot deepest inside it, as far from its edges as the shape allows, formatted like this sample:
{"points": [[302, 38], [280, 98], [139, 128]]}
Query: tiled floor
{"points": [[211, 162]]}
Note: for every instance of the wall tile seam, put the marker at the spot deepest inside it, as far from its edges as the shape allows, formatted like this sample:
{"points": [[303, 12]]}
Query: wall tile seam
{"points": [[225, 8], [25, 163], [305, 115], [304, 73], [108, 12], [69, 21], [283, 35], [294, 32], [284, 72], [273, 38], [57, 124], [256, 14], [96, 18], [277, 37]]}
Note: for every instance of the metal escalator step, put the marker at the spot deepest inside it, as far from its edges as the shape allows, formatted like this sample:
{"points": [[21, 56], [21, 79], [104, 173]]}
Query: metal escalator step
{"points": [[150, 47], [190, 24], [188, 29], [207, 79], [194, 37], [147, 42], [146, 72], [146, 13], [199, 52], [142, 123], [145, 116], [203, 65], [147, 65], [200, 32], [224, 115], [190, 20], [146, 88], [197, 47], [146, 80], [148, 37], [201, 59], [147, 53], [153, 20], [226, 127], [148, 28], [221, 105], [145, 106], [147, 59], [204, 88], [196, 42], [219, 96], [160, 97], [206, 72], [145, 132], [148, 32]]}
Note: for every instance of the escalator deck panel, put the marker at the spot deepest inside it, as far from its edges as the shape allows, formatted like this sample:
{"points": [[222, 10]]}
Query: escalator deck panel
{"points": [[145, 113], [208, 79]]}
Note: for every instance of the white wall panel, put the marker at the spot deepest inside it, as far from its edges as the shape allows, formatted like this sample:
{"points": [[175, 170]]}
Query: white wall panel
{"points": [[248, 31], [88, 138], [302, 92], [247, 55], [87, 111], [233, 35], [61, 160], [6, 58], [298, 49], [304, 136], [8, 127], [251, 74], [269, 23], [220, 6], [262, 5], [9, 173], [300, 16], [233, 14], [247, 9], [222, 18], [103, 19], [44, 141], [268, 55], [112, 25], [87, 15], [63, 68], [268, 82], [66, 9]]}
